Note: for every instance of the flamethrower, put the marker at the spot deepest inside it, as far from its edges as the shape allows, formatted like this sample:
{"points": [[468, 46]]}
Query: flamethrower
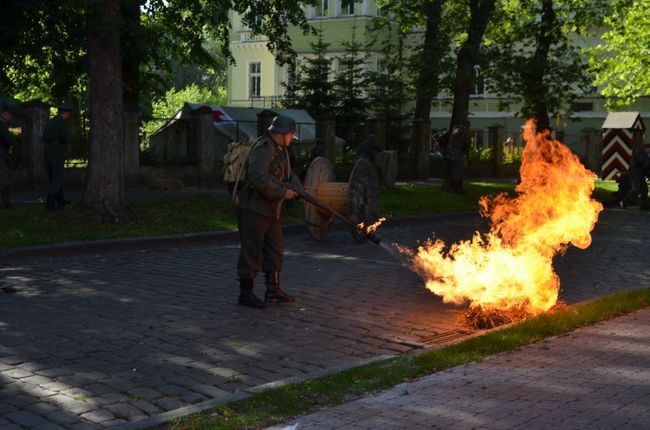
{"points": [[362, 229]]}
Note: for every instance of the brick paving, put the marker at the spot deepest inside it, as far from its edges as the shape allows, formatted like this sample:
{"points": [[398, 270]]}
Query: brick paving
{"points": [[593, 378], [104, 340]]}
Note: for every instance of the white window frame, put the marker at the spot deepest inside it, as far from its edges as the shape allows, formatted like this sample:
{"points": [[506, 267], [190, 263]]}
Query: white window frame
{"points": [[381, 67], [335, 67], [324, 5], [249, 77], [339, 4]]}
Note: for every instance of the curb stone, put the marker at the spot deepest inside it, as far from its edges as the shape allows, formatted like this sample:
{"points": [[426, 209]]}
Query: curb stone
{"points": [[156, 420]]}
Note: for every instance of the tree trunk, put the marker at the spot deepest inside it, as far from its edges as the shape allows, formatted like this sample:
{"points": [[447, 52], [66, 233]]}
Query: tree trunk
{"points": [[104, 190], [468, 58], [427, 81], [132, 50], [537, 67]]}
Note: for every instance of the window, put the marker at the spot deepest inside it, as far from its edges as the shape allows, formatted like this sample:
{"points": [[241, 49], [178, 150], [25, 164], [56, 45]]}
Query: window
{"points": [[478, 90], [381, 66], [254, 79], [321, 10], [582, 106], [347, 7], [335, 68]]}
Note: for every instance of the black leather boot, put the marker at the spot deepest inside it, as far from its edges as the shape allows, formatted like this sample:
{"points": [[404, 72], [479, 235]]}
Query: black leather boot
{"points": [[274, 293], [60, 200], [4, 199], [247, 297], [49, 204]]}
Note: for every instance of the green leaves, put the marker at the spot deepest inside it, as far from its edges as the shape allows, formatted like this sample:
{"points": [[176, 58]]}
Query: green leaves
{"points": [[621, 63], [165, 107]]}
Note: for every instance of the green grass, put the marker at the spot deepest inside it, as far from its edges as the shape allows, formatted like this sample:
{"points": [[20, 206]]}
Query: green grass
{"points": [[278, 405], [426, 199], [28, 225]]}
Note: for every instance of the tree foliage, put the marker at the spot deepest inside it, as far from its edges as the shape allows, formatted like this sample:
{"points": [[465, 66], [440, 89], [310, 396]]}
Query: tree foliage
{"points": [[535, 53], [349, 86], [621, 62], [310, 86]]}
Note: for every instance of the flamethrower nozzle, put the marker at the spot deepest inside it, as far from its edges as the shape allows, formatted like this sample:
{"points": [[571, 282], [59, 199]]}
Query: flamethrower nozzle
{"points": [[373, 237]]}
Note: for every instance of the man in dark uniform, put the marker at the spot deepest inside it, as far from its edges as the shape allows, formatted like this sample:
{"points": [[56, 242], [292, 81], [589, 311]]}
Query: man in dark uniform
{"points": [[7, 142], [259, 203], [637, 173], [368, 148], [56, 137], [458, 144]]}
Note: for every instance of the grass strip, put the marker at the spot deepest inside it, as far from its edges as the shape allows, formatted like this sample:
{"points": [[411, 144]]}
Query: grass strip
{"points": [[28, 225], [281, 404]]}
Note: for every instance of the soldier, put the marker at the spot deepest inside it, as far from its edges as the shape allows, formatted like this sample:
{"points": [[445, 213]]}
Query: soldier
{"points": [[259, 203], [637, 173], [368, 148], [56, 137], [458, 144], [7, 142]]}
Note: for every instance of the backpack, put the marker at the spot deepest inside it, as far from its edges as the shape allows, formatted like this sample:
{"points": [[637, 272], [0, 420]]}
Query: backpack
{"points": [[234, 164]]}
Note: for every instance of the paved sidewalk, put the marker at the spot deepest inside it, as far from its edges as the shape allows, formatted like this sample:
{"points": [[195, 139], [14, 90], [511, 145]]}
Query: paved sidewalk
{"points": [[102, 340], [596, 377]]}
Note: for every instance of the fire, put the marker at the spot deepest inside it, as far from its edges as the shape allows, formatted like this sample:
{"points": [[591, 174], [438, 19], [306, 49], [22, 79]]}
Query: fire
{"points": [[510, 267], [372, 227]]}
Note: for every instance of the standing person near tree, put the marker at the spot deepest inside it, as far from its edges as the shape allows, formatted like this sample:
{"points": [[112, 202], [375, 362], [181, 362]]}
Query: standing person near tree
{"points": [[458, 145], [259, 204], [7, 142], [56, 137]]}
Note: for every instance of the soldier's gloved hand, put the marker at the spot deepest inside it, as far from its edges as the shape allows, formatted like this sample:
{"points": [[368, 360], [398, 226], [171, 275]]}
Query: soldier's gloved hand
{"points": [[290, 194]]}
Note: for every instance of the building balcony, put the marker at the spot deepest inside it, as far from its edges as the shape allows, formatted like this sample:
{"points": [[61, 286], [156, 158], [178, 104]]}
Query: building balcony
{"points": [[248, 36], [262, 102]]}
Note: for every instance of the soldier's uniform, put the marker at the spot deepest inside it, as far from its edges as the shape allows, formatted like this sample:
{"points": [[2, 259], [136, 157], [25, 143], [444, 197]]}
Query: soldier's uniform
{"points": [[259, 204], [56, 137], [458, 144], [7, 141], [637, 173]]}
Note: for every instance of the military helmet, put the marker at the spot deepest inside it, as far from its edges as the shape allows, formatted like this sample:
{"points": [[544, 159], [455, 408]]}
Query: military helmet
{"points": [[64, 106], [283, 124], [10, 108]]}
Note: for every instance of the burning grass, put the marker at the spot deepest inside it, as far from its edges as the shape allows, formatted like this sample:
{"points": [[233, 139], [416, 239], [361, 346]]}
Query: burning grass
{"points": [[483, 319]]}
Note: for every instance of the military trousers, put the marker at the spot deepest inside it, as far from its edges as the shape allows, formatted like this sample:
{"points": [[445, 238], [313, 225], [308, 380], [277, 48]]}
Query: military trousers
{"points": [[262, 244], [5, 182], [55, 170]]}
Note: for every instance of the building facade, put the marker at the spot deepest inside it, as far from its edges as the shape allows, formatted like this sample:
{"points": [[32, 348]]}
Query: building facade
{"points": [[256, 80]]}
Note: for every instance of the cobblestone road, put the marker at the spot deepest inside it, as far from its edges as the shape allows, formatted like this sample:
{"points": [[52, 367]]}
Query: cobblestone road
{"points": [[96, 341], [596, 377]]}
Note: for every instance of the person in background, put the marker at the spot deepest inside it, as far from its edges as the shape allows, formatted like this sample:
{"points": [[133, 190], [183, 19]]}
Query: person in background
{"points": [[56, 137], [368, 148], [637, 173], [7, 143], [458, 146]]}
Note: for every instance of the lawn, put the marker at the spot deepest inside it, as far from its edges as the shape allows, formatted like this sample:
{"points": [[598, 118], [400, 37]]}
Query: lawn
{"points": [[28, 225]]}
